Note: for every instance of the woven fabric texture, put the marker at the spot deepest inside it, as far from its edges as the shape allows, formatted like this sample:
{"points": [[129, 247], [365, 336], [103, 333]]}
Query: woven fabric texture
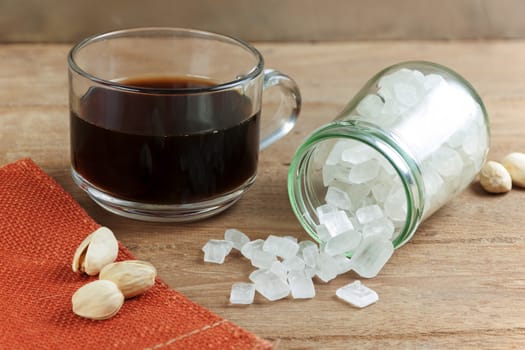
{"points": [[40, 228]]}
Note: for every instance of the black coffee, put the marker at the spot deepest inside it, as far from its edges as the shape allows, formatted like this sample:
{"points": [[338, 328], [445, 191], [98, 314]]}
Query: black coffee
{"points": [[165, 148]]}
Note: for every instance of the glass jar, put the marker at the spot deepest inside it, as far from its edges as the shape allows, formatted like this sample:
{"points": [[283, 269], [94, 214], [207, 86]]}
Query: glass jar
{"points": [[410, 140]]}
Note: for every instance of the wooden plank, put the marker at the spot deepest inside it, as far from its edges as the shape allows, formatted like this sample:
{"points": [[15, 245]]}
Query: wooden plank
{"points": [[458, 283]]}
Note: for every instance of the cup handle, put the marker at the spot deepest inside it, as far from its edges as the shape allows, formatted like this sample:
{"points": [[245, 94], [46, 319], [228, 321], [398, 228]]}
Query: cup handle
{"points": [[286, 116]]}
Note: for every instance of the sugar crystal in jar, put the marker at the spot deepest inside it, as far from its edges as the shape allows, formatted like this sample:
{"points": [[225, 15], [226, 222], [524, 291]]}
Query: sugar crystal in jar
{"points": [[412, 138]]}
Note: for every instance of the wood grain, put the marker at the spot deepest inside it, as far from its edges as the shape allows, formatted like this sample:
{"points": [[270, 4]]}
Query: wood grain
{"points": [[459, 283]]}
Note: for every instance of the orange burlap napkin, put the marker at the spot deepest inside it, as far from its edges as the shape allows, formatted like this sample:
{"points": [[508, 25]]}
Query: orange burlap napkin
{"points": [[40, 227]]}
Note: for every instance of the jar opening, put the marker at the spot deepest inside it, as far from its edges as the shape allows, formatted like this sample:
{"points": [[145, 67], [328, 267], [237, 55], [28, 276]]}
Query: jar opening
{"points": [[352, 167]]}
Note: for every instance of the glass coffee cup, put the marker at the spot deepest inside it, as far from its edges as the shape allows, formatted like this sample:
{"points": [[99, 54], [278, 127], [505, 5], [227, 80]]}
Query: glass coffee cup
{"points": [[165, 123]]}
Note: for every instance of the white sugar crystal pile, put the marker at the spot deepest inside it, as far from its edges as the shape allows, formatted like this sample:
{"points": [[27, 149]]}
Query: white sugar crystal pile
{"points": [[286, 267], [301, 286], [238, 238], [271, 285], [252, 246], [280, 246]]}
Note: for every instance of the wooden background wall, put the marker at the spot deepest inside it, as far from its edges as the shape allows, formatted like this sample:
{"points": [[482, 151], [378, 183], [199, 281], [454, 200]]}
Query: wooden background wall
{"points": [[268, 20]]}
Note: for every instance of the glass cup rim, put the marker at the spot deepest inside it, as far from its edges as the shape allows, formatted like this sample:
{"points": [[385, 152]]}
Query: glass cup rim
{"points": [[255, 71]]}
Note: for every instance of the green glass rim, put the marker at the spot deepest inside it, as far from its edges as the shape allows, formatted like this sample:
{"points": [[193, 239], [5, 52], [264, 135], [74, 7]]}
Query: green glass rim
{"points": [[386, 144]]}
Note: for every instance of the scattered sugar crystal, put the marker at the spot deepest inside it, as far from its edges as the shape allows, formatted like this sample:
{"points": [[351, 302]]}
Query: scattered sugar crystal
{"points": [[321, 248], [343, 263], [255, 274], [357, 294], [271, 286], [242, 293], [326, 268], [248, 248], [364, 172], [337, 223], [302, 287], [291, 238], [215, 250], [383, 227], [272, 279], [294, 263], [357, 225], [310, 271], [280, 246], [276, 279], [237, 237], [279, 269], [369, 213], [262, 259], [306, 244], [343, 243], [309, 252], [371, 255], [337, 198]]}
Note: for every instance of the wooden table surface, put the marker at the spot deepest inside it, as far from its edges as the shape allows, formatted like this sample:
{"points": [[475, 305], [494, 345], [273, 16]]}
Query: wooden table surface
{"points": [[459, 283]]}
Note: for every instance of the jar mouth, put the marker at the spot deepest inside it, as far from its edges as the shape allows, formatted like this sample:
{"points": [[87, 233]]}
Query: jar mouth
{"points": [[304, 197]]}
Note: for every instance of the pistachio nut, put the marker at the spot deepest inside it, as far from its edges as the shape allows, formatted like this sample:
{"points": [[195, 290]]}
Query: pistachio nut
{"points": [[97, 300], [133, 277], [515, 165], [494, 178], [96, 251]]}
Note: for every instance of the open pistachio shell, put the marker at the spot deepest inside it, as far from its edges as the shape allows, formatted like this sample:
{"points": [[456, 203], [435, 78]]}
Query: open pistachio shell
{"points": [[96, 251]]}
